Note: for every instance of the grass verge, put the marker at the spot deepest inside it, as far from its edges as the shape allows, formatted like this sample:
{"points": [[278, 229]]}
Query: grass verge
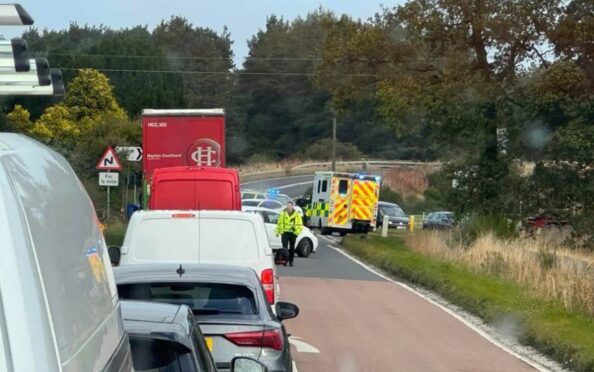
{"points": [[567, 337]]}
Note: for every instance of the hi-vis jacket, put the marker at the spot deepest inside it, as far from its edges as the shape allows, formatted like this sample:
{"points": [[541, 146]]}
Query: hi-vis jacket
{"points": [[289, 223]]}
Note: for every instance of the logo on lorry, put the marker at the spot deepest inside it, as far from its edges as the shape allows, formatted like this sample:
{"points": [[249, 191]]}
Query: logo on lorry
{"points": [[205, 152]]}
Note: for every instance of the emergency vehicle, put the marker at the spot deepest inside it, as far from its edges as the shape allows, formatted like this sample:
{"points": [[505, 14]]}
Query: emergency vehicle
{"points": [[344, 202]]}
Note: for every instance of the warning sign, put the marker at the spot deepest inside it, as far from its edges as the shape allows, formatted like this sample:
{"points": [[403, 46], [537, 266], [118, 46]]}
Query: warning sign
{"points": [[109, 161]]}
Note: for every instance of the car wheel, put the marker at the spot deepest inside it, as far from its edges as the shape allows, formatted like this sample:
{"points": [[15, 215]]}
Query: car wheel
{"points": [[305, 247]]}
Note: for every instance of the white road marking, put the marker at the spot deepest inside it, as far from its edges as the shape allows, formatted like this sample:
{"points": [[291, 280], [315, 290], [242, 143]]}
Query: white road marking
{"points": [[276, 179], [294, 366], [470, 325], [292, 185], [302, 346]]}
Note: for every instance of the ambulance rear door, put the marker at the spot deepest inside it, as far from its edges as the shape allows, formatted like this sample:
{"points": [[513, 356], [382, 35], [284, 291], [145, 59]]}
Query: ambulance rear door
{"points": [[340, 211]]}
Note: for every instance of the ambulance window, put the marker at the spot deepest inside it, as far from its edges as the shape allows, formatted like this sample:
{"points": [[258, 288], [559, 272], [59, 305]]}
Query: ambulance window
{"points": [[324, 186], [319, 185], [343, 186]]}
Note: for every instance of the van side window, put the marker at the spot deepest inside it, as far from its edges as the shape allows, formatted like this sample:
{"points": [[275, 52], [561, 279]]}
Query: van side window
{"points": [[324, 185], [319, 185], [343, 186]]}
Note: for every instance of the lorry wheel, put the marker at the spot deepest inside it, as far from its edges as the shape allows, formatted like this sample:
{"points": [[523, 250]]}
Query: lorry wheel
{"points": [[305, 247], [342, 233]]}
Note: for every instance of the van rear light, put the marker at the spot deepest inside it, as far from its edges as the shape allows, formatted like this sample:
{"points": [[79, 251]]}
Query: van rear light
{"points": [[183, 215], [271, 339], [268, 284]]}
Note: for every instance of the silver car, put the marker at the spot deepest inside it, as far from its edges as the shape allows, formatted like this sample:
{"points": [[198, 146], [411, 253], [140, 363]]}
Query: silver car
{"points": [[228, 302]]}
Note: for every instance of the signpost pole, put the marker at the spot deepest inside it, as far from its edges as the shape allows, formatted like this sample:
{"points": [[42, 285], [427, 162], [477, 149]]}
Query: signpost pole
{"points": [[108, 188]]}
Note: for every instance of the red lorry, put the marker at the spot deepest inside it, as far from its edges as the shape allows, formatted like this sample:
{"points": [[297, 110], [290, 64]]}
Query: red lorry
{"points": [[183, 160]]}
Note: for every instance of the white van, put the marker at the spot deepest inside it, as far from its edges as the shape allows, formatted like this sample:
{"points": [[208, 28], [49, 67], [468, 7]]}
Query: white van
{"points": [[59, 308], [223, 237]]}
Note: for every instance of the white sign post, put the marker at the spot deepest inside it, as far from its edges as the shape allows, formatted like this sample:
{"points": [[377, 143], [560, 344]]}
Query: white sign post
{"points": [[109, 179], [109, 161]]}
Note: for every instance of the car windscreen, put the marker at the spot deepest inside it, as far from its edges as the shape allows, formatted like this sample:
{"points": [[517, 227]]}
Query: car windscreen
{"points": [[160, 355], [392, 211], [250, 203], [202, 298], [281, 198]]}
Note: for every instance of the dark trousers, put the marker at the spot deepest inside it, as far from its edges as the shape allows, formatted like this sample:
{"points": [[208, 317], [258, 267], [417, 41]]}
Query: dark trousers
{"points": [[288, 240]]}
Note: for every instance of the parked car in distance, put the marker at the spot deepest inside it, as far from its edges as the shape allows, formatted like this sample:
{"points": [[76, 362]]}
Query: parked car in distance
{"points": [[224, 237], [307, 241], [273, 204], [252, 194], [396, 216], [228, 302], [439, 221], [59, 308]]}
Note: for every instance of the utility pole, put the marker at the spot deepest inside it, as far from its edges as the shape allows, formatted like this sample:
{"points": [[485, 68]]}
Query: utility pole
{"points": [[334, 143]]}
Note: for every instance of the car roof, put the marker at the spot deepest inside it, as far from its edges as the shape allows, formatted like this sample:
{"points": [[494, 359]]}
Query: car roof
{"points": [[207, 273], [388, 204], [261, 209], [158, 321]]}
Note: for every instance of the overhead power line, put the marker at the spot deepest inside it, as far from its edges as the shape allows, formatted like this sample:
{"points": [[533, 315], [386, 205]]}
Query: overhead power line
{"points": [[189, 72], [137, 56]]}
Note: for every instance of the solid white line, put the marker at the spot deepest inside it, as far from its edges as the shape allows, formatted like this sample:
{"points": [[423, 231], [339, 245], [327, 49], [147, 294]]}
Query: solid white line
{"points": [[275, 179], [478, 330], [294, 366], [292, 185]]}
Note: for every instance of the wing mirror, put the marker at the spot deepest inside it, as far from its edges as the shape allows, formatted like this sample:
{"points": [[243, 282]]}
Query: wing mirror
{"points": [[286, 310], [243, 364], [114, 255]]}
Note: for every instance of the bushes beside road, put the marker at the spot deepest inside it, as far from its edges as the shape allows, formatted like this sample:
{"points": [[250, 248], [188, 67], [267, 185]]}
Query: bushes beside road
{"points": [[565, 335]]}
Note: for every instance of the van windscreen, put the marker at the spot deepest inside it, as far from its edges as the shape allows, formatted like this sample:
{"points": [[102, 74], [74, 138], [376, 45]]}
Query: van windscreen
{"points": [[169, 238]]}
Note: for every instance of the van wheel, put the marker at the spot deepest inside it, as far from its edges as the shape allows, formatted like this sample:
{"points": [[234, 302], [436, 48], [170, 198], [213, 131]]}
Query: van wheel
{"points": [[305, 247], [342, 233], [323, 230]]}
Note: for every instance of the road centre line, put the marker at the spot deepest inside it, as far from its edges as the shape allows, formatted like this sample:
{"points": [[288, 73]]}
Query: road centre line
{"points": [[467, 323]]}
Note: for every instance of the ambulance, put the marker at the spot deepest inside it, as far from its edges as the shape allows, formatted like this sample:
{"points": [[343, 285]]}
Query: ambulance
{"points": [[344, 202]]}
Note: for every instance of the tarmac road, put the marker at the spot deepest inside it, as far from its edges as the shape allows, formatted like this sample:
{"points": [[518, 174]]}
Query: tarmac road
{"points": [[357, 321]]}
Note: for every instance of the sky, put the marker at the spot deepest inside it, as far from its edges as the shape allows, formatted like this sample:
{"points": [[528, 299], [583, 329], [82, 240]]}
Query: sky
{"points": [[243, 18]]}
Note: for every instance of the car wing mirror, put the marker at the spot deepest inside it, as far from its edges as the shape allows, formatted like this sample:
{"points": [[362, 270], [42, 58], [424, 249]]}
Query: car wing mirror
{"points": [[114, 255], [244, 364], [286, 310]]}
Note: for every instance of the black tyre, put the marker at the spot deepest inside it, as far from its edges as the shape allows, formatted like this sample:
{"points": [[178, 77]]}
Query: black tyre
{"points": [[342, 233], [304, 248]]}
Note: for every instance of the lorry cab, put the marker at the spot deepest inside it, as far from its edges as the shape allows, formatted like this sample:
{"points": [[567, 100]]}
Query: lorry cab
{"points": [[344, 202], [59, 308], [195, 188]]}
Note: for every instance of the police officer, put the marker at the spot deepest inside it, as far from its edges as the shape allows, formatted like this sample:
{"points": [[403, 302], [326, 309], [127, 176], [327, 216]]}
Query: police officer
{"points": [[289, 226]]}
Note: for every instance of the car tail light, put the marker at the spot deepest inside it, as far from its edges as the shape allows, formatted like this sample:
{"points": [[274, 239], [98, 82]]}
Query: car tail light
{"points": [[268, 284], [272, 339]]}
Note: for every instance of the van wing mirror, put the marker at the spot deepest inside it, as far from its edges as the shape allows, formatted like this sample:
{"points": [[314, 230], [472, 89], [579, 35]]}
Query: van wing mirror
{"points": [[286, 310], [114, 255]]}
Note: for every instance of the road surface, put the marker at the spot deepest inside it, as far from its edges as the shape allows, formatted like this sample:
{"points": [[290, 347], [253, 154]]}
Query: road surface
{"points": [[357, 321]]}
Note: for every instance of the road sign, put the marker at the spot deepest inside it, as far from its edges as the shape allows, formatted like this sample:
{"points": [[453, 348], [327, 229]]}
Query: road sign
{"points": [[109, 161], [110, 179], [132, 153]]}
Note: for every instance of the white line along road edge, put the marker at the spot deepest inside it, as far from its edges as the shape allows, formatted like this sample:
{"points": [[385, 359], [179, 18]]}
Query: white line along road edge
{"points": [[538, 365], [302, 346]]}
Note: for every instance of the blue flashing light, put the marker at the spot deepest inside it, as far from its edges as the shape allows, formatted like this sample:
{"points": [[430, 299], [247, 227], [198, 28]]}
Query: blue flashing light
{"points": [[378, 179], [273, 191]]}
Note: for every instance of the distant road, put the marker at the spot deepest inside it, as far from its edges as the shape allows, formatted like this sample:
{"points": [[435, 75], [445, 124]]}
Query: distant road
{"points": [[293, 186], [358, 321]]}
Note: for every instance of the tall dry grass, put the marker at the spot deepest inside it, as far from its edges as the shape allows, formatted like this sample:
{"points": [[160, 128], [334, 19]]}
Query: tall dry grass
{"points": [[408, 181], [549, 270]]}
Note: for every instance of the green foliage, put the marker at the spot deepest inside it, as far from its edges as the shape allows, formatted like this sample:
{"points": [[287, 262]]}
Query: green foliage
{"points": [[563, 335], [322, 150], [387, 195]]}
